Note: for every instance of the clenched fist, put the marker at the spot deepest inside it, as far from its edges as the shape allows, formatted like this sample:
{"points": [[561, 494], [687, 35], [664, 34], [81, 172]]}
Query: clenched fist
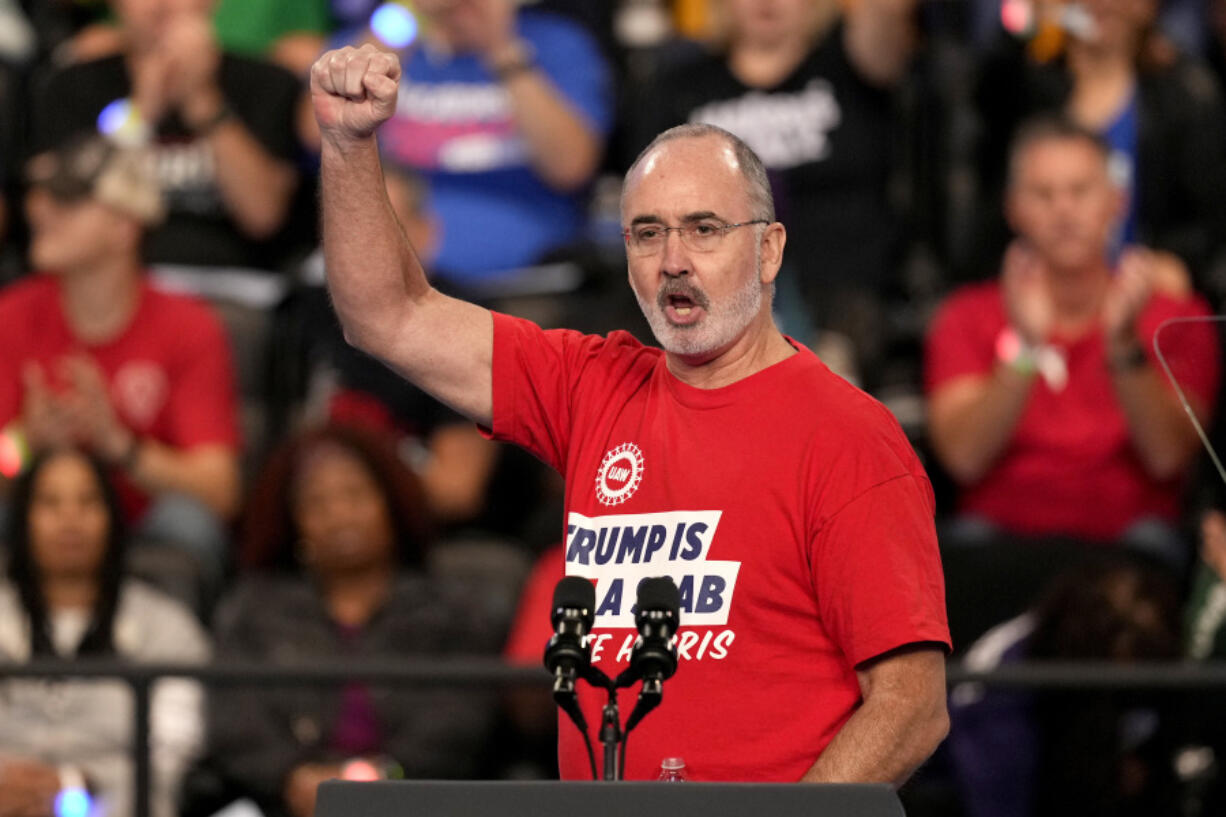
{"points": [[354, 91]]}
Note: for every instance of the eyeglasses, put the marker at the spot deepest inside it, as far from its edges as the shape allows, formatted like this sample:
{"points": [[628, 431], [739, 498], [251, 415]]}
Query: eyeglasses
{"points": [[699, 236]]}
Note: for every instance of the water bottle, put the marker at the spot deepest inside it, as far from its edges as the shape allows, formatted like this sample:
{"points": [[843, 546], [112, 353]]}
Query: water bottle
{"points": [[672, 770]]}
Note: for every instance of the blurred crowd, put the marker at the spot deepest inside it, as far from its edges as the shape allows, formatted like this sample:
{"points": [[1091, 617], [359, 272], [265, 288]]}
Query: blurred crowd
{"points": [[1006, 220]]}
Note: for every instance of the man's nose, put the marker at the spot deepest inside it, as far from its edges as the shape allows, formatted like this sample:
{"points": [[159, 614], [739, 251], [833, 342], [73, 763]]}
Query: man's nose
{"points": [[674, 256]]}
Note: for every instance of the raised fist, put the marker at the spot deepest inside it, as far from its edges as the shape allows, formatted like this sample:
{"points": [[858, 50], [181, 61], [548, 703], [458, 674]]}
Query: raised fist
{"points": [[353, 91]]}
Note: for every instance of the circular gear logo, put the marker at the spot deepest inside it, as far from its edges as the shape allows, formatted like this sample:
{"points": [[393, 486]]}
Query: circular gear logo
{"points": [[620, 473]]}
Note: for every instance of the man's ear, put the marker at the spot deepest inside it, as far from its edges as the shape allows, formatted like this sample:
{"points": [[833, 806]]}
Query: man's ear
{"points": [[773, 240]]}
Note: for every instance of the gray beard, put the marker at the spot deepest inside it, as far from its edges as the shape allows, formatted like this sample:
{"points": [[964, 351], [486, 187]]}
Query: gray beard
{"points": [[721, 324]]}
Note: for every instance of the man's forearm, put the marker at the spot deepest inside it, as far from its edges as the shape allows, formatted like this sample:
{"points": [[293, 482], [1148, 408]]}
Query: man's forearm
{"points": [[885, 741], [1161, 433], [561, 145], [209, 473], [974, 421], [255, 187], [373, 273]]}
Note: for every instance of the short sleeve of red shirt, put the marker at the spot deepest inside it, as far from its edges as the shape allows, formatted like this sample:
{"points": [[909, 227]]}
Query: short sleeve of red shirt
{"points": [[962, 337], [877, 571], [536, 372]]}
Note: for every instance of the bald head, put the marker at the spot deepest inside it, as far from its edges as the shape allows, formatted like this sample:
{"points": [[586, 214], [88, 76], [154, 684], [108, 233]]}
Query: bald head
{"points": [[735, 154]]}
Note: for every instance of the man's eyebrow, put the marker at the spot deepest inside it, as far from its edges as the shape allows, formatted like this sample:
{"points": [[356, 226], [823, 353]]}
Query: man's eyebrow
{"points": [[688, 218]]}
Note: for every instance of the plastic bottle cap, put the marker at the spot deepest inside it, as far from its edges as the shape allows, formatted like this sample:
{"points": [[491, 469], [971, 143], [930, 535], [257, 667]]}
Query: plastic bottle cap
{"points": [[672, 763]]}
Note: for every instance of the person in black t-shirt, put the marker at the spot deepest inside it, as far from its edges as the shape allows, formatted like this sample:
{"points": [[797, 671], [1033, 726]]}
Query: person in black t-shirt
{"points": [[223, 129], [809, 88]]}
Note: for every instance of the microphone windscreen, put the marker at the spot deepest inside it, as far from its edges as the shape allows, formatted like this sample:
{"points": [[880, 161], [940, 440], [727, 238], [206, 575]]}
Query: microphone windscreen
{"points": [[659, 594], [575, 592]]}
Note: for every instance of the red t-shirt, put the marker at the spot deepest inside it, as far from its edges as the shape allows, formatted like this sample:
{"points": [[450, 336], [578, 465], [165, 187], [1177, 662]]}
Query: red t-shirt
{"points": [[789, 509], [169, 372], [1070, 467]]}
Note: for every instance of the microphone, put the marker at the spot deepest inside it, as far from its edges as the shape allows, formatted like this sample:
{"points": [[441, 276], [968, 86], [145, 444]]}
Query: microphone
{"points": [[567, 655], [653, 658], [658, 609]]}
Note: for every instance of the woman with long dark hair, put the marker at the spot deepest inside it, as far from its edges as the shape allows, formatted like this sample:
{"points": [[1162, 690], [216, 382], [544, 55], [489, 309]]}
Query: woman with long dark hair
{"points": [[66, 597], [337, 525]]}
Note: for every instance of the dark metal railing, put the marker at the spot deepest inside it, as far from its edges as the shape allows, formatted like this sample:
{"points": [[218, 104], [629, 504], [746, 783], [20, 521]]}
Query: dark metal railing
{"points": [[492, 672]]}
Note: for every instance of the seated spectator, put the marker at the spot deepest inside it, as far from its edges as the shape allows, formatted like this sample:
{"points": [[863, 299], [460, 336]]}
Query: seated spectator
{"points": [[1045, 401], [504, 112], [94, 355], [1161, 113], [1022, 753], [67, 596], [222, 129], [342, 519], [809, 86]]}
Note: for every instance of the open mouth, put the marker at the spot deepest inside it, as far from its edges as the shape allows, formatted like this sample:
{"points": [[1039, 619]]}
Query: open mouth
{"points": [[682, 309], [681, 304]]}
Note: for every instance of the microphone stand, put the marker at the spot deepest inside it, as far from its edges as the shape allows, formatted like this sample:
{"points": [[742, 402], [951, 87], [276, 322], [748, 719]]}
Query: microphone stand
{"points": [[610, 737], [610, 722]]}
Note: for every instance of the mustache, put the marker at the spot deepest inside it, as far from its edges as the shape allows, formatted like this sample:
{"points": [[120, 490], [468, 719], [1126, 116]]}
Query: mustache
{"points": [[677, 287]]}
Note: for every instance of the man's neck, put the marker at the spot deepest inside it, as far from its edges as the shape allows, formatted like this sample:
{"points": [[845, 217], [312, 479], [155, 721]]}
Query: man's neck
{"points": [[100, 302], [352, 597], [760, 346]]}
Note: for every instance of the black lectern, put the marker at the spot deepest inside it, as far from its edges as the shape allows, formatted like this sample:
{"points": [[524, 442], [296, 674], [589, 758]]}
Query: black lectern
{"points": [[430, 798]]}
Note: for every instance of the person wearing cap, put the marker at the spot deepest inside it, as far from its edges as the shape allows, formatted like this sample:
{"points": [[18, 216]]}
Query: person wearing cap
{"points": [[93, 355]]}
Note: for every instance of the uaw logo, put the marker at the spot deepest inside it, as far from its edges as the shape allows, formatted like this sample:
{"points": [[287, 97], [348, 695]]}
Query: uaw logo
{"points": [[620, 474]]}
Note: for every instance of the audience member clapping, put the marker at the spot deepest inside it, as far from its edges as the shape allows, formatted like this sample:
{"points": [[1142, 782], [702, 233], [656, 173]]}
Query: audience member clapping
{"points": [[222, 130], [92, 354]]}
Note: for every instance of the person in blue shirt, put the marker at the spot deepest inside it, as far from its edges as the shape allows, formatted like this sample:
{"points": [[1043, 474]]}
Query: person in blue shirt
{"points": [[504, 112]]}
